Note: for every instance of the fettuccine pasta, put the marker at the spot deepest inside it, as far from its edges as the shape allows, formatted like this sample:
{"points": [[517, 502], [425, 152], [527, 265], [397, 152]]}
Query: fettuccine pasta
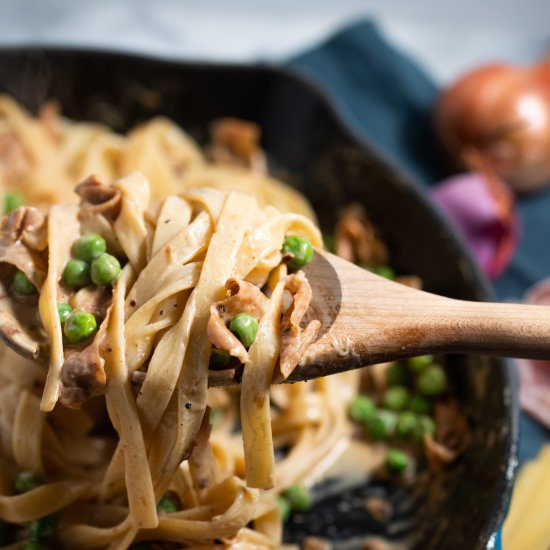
{"points": [[137, 265], [43, 158], [124, 421]]}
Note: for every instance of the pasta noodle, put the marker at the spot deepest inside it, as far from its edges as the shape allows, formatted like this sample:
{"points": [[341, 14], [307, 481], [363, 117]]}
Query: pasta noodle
{"points": [[120, 438], [193, 235], [38, 151]]}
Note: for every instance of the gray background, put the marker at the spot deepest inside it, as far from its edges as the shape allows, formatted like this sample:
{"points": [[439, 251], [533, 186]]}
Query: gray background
{"points": [[446, 37]]}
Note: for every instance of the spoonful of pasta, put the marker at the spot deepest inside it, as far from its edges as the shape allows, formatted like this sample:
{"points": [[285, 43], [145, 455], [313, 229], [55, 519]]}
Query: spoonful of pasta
{"points": [[213, 285]]}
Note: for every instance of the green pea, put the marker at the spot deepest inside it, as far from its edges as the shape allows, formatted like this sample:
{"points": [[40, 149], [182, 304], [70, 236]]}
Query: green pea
{"points": [[419, 363], [63, 310], [383, 271], [12, 201], [44, 527], [105, 270], [89, 247], [432, 381], [215, 416], [219, 359], [397, 375], [381, 425], [284, 508], [79, 326], [426, 426], [298, 498], [396, 398], [397, 461], [406, 424], [167, 505], [361, 408], [298, 250], [76, 274], [419, 404], [245, 327], [329, 243], [22, 284], [27, 481]]}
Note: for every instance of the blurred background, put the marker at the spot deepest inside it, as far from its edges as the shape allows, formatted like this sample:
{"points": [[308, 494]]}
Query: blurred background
{"points": [[445, 37]]}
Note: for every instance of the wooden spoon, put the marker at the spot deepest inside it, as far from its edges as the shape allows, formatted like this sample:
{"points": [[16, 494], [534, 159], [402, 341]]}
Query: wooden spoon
{"points": [[367, 319]]}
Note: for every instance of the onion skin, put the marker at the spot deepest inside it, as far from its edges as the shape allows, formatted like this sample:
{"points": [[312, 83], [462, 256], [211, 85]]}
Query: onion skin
{"points": [[497, 117]]}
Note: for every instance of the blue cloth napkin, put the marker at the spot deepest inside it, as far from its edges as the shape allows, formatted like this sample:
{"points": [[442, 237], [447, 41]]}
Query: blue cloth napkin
{"points": [[387, 98], [381, 94]]}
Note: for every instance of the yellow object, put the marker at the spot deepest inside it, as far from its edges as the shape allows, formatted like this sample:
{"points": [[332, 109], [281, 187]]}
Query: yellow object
{"points": [[527, 526]]}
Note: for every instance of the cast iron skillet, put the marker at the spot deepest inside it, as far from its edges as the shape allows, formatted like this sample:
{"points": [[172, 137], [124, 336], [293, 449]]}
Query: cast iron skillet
{"points": [[309, 146]]}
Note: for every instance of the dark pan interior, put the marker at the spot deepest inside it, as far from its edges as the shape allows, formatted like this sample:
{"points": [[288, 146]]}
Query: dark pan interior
{"points": [[308, 146]]}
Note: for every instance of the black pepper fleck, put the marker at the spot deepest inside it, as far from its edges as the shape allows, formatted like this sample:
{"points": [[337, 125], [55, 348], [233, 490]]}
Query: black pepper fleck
{"points": [[132, 303], [203, 483], [161, 312], [167, 221], [188, 405]]}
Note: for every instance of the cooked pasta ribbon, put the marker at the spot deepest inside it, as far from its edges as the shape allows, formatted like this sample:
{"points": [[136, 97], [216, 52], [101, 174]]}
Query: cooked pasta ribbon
{"points": [[122, 420]]}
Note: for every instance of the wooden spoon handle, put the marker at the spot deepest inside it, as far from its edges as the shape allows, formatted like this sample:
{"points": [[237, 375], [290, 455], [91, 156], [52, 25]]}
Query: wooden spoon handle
{"points": [[511, 330], [445, 325], [375, 320], [437, 325]]}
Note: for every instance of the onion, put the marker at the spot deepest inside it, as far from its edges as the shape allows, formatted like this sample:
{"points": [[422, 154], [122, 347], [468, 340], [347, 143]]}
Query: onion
{"points": [[496, 119]]}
